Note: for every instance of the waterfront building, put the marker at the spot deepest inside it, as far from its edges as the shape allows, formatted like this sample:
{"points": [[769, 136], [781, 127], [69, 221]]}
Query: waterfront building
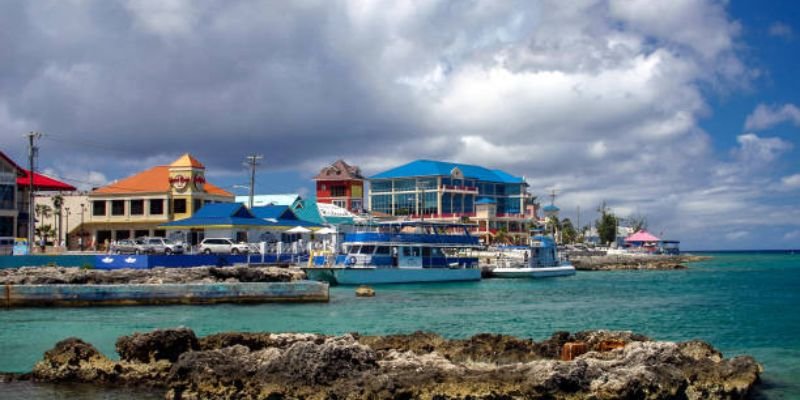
{"points": [[494, 200], [15, 186], [342, 185], [138, 205], [9, 195]]}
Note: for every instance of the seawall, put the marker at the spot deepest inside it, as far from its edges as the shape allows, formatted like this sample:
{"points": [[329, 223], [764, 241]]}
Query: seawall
{"points": [[76, 295]]}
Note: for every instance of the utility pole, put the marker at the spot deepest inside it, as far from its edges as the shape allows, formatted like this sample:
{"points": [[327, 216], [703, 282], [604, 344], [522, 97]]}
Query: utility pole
{"points": [[32, 152], [252, 162]]}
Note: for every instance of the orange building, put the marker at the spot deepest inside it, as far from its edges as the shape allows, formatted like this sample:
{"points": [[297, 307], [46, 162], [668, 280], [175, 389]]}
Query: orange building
{"points": [[342, 185], [137, 205]]}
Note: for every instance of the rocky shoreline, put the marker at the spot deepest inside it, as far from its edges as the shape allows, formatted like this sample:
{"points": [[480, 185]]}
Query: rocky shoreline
{"points": [[633, 262], [591, 364], [160, 275]]}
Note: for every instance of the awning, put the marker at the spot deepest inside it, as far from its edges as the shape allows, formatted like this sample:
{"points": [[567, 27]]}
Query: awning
{"points": [[299, 229]]}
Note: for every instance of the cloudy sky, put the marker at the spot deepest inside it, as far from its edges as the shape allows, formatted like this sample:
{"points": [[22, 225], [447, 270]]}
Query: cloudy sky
{"points": [[684, 111]]}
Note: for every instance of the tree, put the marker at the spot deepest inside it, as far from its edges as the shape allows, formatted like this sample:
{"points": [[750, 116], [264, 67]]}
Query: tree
{"points": [[58, 204], [606, 225], [502, 236], [637, 222], [44, 232], [568, 232]]}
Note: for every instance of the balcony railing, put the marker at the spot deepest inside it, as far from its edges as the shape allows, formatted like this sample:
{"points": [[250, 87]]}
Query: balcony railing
{"points": [[459, 189]]}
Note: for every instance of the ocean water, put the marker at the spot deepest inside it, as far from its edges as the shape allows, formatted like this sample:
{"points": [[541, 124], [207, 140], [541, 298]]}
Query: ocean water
{"points": [[742, 303]]}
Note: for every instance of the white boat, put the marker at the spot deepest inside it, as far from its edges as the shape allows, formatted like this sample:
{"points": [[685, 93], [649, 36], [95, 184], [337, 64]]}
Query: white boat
{"points": [[402, 252], [542, 262]]}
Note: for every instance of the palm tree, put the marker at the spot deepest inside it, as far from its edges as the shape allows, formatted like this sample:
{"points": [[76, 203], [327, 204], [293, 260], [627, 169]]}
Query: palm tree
{"points": [[58, 204], [44, 231]]}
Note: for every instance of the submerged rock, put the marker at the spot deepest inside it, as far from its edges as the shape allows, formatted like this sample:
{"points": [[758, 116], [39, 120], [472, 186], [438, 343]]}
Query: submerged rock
{"points": [[365, 291], [420, 365]]}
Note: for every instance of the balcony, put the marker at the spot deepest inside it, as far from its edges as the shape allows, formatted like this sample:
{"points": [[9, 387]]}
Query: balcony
{"points": [[459, 189]]}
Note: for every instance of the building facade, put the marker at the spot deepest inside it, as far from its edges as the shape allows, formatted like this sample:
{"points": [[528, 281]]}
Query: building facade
{"points": [[9, 196], [492, 199], [138, 205], [342, 185]]}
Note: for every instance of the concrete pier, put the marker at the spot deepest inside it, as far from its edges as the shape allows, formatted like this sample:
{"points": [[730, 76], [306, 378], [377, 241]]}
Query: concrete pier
{"points": [[156, 294]]}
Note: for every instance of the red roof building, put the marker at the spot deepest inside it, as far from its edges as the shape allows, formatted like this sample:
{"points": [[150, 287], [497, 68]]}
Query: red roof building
{"points": [[342, 185]]}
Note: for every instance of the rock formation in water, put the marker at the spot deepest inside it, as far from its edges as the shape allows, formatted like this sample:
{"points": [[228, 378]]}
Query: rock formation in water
{"points": [[62, 275], [633, 262], [604, 365]]}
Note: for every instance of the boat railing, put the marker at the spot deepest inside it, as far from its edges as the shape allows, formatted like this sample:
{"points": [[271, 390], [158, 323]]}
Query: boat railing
{"points": [[407, 238]]}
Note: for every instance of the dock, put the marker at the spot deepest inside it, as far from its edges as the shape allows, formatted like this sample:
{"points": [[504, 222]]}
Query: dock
{"points": [[82, 295]]}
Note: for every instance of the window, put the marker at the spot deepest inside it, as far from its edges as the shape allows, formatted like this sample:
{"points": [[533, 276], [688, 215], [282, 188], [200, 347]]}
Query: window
{"points": [[179, 206], [338, 191], [137, 207], [380, 186], [124, 234], [382, 203], [118, 207], [356, 204], [159, 233], [6, 226], [140, 233], [383, 250], [157, 207], [401, 185], [367, 249], [99, 208], [6, 197], [340, 203], [198, 204]]}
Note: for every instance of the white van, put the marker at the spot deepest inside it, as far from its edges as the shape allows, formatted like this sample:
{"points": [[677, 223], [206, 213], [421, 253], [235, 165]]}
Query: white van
{"points": [[6, 245]]}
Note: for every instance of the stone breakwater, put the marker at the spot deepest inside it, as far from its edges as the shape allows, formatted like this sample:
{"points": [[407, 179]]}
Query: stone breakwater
{"points": [[633, 262], [592, 364], [78, 276]]}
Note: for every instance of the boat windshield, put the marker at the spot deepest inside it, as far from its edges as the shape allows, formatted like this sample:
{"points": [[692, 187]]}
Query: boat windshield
{"points": [[367, 249]]}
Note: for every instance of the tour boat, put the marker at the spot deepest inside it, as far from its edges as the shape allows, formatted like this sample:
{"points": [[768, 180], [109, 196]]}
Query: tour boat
{"points": [[542, 262], [402, 252]]}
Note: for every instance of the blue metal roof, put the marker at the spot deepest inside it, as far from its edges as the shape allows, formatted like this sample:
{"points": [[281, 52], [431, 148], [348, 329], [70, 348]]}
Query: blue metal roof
{"points": [[228, 214], [550, 207], [441, 168], [486, 200], [273, 212]]}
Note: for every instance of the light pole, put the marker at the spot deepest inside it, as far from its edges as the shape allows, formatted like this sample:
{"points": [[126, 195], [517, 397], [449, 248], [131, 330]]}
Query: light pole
{"points": [[66, 231], [80, 239]]}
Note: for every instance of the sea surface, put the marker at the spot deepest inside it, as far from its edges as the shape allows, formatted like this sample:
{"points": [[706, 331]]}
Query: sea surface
{"points": [[742, 303]]}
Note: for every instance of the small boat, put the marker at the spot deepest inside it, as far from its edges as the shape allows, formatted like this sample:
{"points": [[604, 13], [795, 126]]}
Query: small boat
{"points": [[402, 252], [542, 262]]}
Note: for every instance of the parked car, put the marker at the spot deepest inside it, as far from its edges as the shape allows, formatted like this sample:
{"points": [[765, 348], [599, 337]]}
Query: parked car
{"points": [[128, 246], [223, 246], [159, 245]]}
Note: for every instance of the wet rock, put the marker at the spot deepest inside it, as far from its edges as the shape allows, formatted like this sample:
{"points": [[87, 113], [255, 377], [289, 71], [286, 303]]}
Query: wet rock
{"points": [[167, 344], [420, 365], [78, 276], [365, 291]]}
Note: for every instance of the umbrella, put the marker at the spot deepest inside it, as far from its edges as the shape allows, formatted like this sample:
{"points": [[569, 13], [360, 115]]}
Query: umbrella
{"points": [[325, 231], [298, 229]]}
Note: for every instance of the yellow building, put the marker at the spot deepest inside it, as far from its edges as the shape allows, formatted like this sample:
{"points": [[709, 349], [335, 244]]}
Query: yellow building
{"points": [[137, 205]]}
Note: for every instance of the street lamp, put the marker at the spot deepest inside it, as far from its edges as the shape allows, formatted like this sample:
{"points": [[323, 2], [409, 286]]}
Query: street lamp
{"points": [[83, 208], [66, 231]]}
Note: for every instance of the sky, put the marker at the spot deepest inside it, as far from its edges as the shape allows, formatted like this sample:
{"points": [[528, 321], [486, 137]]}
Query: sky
{"points": [[682, 111]]}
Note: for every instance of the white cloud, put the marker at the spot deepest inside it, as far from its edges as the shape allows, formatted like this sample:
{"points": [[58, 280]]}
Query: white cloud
{"points": [[166, 18], [781, 29], [765, 117], [754, 150], [791, 181], [792, 235]]}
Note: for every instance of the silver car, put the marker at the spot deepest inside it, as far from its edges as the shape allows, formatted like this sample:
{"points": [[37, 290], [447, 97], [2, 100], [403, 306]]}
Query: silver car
{"points": [[128, 246], [158, 245], [223, 246]]}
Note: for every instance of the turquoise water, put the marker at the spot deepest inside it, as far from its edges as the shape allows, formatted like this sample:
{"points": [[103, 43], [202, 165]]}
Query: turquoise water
{"points": [[744, 303]]}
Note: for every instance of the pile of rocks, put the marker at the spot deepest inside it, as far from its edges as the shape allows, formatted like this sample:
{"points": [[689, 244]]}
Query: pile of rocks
{"points": [[62, 275], [633, 262], [420, 365]]}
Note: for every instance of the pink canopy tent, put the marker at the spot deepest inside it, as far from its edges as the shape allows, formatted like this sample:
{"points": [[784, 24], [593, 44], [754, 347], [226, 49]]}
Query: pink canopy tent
{"points": [[642, 236]]}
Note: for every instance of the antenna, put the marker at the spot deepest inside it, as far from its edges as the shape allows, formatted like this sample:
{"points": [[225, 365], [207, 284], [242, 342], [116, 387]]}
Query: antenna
{"points": [[33, 151], [252, 162]]}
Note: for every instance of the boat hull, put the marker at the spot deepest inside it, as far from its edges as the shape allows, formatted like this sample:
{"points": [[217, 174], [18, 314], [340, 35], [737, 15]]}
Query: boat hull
{"points": [[539, 272], [377, 276]]}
